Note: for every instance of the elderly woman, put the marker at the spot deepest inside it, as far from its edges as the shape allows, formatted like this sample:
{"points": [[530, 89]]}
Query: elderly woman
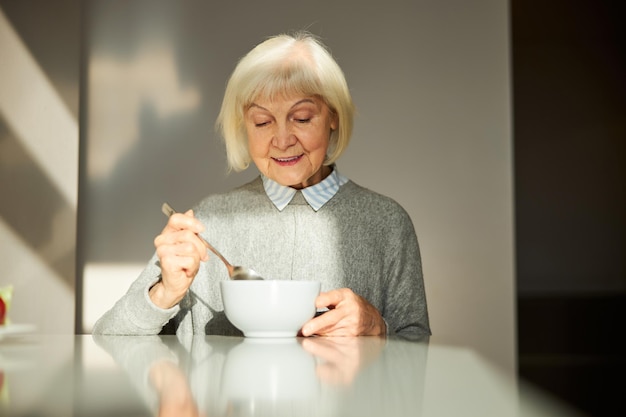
{"points": [[287, 108]]}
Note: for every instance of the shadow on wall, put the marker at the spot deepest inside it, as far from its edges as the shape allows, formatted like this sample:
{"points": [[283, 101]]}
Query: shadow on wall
{"points": [[39, 136], [35, 210]]}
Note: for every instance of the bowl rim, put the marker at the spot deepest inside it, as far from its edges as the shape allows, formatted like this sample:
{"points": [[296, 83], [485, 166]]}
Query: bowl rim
{"points": [[270, 282]]}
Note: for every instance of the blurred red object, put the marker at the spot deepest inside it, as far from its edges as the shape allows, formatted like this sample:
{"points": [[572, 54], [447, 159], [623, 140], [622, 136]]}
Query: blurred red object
{"points": [[3, 311]]}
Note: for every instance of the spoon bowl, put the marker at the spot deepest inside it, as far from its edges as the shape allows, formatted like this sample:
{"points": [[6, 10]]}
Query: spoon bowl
{"points": [[234, 272], [241, 273]]}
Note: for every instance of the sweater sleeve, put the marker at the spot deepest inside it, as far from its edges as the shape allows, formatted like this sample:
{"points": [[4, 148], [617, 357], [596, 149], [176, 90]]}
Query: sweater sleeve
{"points": [[135, 313], [405, 308]]}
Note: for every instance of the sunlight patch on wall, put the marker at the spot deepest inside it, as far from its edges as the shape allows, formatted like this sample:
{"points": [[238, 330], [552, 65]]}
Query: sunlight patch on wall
{"points": [[103, 285], [36, 113]]}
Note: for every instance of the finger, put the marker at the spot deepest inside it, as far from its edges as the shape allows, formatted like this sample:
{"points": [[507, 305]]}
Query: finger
{"points": [[324, 324], [176, 256], [196, 227], [197, 243], [330, 298], [183, 242], [189, 265], [182, 221]]}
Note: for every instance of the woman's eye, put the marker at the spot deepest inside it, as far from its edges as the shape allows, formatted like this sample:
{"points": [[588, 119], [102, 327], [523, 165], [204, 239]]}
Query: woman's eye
{"points": [[261, 124], [303, 120]]}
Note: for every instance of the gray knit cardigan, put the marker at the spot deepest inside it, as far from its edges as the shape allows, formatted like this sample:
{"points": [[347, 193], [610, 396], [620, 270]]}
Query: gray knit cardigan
{"points": [[359, 239]]}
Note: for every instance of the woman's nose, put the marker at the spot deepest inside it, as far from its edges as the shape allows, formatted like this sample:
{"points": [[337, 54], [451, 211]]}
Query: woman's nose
{"points": [[283, 138]]}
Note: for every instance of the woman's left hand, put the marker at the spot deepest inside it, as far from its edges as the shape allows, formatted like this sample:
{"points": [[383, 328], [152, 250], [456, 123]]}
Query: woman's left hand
{"points": [[349, 314]]}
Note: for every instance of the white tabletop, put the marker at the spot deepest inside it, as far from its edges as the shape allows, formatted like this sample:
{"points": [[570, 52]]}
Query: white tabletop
{"points": [[225, 376]]}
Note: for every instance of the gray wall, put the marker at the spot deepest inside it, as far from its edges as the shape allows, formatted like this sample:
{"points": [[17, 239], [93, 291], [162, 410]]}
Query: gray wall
{"points": [[431, 84]]}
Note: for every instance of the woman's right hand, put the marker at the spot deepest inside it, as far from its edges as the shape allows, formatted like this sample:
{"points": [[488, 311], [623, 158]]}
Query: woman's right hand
{"points": [[180, 251]]}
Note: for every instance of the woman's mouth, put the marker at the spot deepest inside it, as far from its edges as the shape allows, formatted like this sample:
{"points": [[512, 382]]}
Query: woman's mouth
{"points": [[287, 161]]}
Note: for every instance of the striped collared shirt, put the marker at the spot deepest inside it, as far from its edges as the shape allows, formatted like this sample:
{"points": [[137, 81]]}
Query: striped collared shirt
{"points": [[316, 195]]}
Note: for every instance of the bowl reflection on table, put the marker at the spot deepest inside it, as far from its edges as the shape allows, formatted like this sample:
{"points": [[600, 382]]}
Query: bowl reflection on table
{"points": [[269, 308], [269, 370]]}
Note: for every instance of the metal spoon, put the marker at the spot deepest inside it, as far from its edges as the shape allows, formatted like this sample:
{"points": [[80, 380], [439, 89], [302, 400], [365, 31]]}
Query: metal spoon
{"points": [[234, 272]]}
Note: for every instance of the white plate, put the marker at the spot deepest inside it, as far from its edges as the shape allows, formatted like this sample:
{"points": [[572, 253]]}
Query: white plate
{"points": [[8, 330]]}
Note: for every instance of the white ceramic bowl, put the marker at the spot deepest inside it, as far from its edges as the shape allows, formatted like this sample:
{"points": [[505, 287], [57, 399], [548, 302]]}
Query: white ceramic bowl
{"points": [[269, 308]]}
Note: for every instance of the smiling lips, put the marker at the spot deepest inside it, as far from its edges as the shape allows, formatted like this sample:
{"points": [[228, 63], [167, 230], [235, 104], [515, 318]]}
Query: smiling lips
{"points": [[292, 160]]}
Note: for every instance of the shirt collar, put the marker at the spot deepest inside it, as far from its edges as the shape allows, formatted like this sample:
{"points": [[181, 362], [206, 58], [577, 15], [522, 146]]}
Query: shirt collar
{"points": [[316, 195]]}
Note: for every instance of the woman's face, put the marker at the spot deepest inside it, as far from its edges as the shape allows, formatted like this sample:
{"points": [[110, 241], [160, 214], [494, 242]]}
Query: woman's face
{"points": [[288, 138]]}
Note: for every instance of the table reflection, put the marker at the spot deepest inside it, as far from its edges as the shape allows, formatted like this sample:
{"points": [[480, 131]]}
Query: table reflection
{"points": [[207, 376], [47, 375]]}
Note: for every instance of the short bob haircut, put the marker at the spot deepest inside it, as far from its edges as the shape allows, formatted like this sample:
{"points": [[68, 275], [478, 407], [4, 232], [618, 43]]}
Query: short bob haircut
{"points": [[284, 65]]}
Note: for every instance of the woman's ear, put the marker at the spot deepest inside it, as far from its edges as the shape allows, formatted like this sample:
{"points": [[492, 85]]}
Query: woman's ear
{"points": [[334, 122]]}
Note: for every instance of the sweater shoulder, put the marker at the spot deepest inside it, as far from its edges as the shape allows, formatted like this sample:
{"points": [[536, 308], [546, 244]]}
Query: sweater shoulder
{"points": [[247, 195], [358, 197]]}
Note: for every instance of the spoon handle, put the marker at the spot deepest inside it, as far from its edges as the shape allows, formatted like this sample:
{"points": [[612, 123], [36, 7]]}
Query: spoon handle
{"points": [[168, 211]]}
